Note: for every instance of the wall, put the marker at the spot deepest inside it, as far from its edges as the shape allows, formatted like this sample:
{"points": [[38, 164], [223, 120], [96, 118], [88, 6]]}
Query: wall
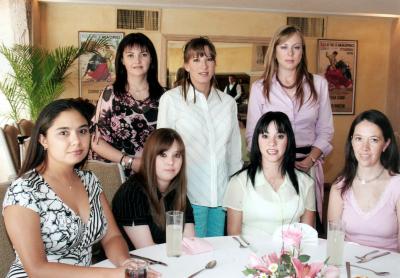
{"points": [[61, 22]]}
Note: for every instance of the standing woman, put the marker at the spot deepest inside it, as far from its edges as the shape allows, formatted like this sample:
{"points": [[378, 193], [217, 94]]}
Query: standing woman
{"points": [[127, 110], [366, 195], [287, 86], [206, 118], [54, 212]]}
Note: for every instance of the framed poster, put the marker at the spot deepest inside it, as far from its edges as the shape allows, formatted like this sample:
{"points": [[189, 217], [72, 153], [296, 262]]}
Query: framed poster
{"points": [[259, 52], [97, 70], [337, 61]]}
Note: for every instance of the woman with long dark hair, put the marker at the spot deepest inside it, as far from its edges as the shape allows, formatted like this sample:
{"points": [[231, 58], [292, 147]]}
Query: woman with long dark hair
{"points": [[287, 86], [140, 203], [366, 194], [270, 192], [54, 212], [206, 118], [127, 110]]}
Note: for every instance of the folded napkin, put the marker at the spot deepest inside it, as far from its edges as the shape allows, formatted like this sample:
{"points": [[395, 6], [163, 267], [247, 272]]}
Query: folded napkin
{"points": [[195, 245], [309, 234]]}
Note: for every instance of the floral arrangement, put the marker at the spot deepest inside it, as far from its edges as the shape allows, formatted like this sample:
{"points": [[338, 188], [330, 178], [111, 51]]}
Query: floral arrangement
{"points": [[289, 263]]}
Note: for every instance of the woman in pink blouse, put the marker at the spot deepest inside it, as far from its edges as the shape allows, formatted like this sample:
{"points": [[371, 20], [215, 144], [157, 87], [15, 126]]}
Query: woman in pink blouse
{"points": [[366, 195], [287, 86]]}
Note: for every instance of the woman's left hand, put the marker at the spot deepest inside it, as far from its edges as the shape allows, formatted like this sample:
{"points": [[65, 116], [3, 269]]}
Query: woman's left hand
{"points": [[305, 164], [132, 263]]}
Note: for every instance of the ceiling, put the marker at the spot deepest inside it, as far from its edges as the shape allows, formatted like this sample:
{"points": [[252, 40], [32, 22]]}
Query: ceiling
{"points": [[383, 8]]}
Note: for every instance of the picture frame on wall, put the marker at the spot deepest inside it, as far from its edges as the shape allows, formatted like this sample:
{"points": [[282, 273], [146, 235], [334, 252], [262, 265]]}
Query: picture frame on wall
{"points": [[259, 52], [97, 70], [337, 62]]}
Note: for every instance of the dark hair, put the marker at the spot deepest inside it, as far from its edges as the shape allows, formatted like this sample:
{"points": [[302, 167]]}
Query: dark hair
{"points": [[389, 158], [158, 142], [196, 47], [180, 77], [302, 74], [36, 154], [142, 41], [283, 125]]}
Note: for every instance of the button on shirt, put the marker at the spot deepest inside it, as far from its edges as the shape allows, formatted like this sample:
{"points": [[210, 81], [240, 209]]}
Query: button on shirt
{"points": [[210, 131], [312, 123]]}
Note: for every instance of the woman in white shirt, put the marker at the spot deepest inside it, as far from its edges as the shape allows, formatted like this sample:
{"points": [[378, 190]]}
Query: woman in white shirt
{"points": [[206, 118], [270, 192]]}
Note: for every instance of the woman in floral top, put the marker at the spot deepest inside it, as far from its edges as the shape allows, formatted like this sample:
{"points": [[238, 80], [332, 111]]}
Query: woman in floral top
{"points": [[126, 112]]}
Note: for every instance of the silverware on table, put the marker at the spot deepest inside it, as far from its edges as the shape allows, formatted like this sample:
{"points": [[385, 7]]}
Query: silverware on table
{"points": [[363, 257], [373, 257], [151, 261], [348, 269], [248, 244], [379, 273], [209, 265], [238, 240]]}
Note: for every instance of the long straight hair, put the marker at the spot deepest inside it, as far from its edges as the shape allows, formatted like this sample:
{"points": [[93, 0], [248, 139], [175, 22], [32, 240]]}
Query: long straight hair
{"points": [[158, 142], [121, 79], [196, 48], [283, 125], [36, 155], [389, 158], [303, 76]]}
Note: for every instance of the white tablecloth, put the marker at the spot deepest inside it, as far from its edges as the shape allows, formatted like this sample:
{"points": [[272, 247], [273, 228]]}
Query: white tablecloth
{"points": [[231, 259]]}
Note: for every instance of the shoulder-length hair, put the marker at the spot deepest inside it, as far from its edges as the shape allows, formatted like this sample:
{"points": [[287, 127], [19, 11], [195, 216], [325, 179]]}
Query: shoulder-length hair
{"points": [[121, 79], [196, 48], [36, 155], [389, 158], [158, 142], [303, 77], [283, 125]]}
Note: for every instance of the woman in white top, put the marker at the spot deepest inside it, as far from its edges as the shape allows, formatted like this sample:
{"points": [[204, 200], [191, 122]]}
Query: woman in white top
{"points": [[206, 118], [270, 192]]}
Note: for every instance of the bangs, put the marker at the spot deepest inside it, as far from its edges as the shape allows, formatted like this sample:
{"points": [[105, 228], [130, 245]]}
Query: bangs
{"points": [[167, 143], [280, 127], [142, 47], [200, 52]]}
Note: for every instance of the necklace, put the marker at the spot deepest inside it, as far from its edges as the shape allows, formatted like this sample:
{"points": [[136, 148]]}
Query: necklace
{"points": [[363, 181], [283, 85]]}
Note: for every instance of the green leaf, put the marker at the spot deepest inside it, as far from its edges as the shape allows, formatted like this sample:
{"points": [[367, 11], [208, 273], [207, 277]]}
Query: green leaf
{"points": [[249, 271], [304, 258]]}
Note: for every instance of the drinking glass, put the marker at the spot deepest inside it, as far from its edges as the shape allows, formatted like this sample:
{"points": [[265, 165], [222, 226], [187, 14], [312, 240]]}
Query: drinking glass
{"points": [[138, 269], [335, 242], [174, 229]]}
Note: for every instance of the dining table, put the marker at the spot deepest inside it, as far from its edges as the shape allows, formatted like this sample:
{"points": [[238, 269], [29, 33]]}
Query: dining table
{"points": [[232, 259]]}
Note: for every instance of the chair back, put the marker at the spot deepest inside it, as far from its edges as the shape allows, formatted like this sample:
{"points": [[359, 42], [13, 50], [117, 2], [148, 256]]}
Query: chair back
{"points": [[7, 168], [25, 127], [7, 252], [11, 134], [110, 175]]}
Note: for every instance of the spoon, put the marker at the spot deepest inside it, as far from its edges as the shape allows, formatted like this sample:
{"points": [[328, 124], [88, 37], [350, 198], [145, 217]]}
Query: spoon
{"points": [[209, 265], [379, 273]]}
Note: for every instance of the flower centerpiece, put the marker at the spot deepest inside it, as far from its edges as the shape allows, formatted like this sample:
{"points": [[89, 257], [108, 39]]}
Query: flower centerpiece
{"points": [[290, 263]]}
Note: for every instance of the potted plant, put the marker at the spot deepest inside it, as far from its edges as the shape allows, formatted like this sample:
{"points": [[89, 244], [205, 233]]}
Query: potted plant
{"points": [[38, 74]]}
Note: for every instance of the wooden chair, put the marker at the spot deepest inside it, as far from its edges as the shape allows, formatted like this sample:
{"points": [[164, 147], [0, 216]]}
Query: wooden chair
{"points": [[110, 175], [25, 127], [7, 169], [7, 252], [11, 134]]}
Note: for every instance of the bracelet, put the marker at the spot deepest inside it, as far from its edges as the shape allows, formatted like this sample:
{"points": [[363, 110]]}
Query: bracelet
{"points": [[122, 158], [129, 164]]}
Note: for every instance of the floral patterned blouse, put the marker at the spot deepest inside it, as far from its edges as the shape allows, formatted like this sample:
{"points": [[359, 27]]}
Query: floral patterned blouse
{"points": [[66, 237], [124, 122]]}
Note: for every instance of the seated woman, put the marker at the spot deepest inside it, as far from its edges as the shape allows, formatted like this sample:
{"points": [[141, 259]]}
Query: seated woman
{"points": [[366, 194], [140, 204], [54, 212], [270, 192]]}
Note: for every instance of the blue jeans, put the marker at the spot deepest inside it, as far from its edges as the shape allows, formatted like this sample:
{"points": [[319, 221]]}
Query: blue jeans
{"points": [[209, 221]]}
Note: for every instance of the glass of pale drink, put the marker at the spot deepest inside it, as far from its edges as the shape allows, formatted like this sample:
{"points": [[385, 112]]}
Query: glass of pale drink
{"points": [[335, 244], [174, 230]]}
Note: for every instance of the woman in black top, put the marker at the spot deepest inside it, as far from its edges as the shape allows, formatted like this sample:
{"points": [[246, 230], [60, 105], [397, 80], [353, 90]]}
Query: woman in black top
{"points": [[140, 204]]}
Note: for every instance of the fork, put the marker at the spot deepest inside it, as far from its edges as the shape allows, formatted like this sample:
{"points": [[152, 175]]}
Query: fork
{"points": [[379, 273], [238, 240], [373, 257], [248, 244], [363, 257]]}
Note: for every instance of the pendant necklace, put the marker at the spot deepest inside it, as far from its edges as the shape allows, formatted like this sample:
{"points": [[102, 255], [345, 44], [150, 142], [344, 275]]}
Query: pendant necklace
{"points": [[364, 181]]}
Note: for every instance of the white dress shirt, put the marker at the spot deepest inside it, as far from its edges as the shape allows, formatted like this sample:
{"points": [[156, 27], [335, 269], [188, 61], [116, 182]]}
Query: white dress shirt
{"points": [[210, 131]]}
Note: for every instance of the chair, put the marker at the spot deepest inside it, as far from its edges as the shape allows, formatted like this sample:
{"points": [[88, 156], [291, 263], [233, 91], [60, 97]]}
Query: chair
{"points": [[7, 252], [11, 133], [7, 169], [110, 175], [25, 127]]}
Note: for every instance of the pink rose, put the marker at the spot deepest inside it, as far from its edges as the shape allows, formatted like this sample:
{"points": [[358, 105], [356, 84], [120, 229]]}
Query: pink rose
{"points": [[292, 237]]}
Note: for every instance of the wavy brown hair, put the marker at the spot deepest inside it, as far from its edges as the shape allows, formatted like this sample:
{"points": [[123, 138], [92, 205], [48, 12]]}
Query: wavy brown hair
{"points": [[303, 77], [158, 142]]}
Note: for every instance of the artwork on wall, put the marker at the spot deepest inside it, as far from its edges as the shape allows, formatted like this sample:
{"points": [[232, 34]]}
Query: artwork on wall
{"points": [[337, 61], [97, 70], [259, 52]]}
